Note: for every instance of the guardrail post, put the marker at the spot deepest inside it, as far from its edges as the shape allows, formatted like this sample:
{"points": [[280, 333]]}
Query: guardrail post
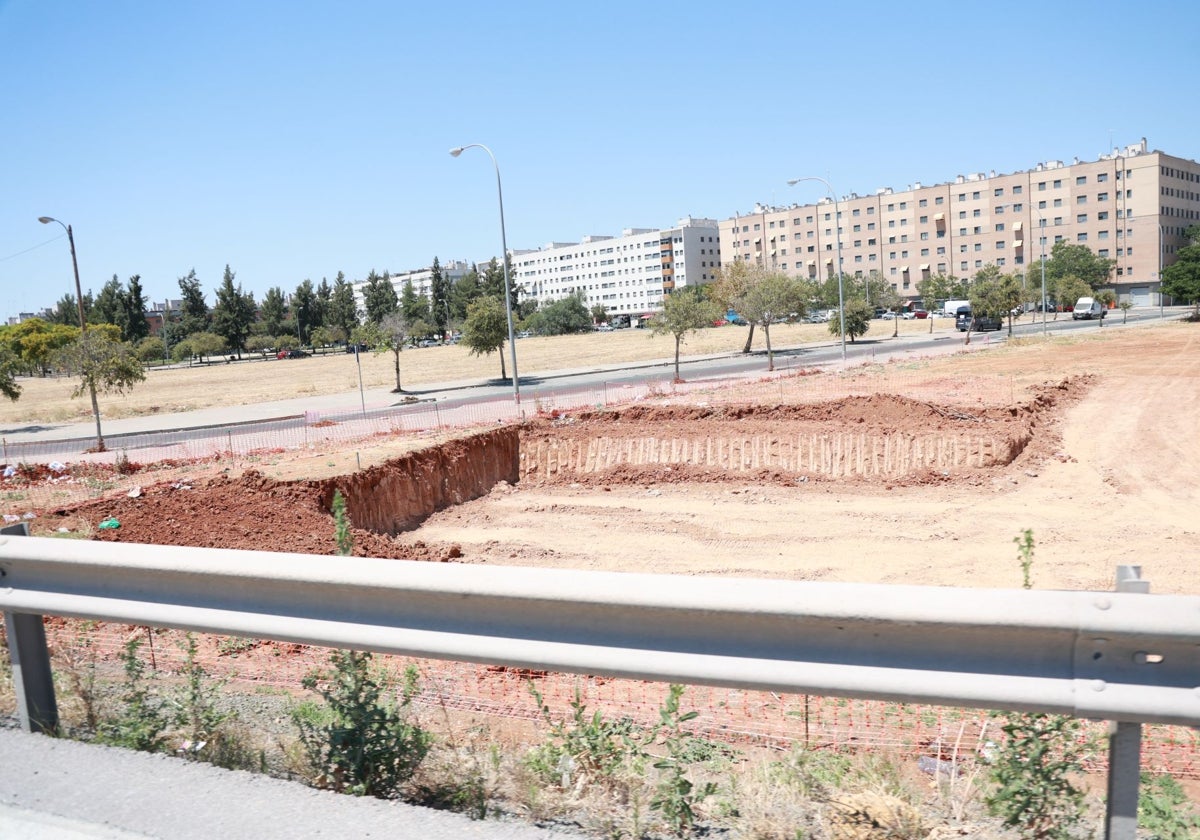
{"points": [[1124, 747], [33, 681]]}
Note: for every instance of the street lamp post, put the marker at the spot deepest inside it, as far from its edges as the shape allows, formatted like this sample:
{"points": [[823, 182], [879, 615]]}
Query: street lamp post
{"points": [[1042, 245], [82, 320], [837, 229], [512, 343]]}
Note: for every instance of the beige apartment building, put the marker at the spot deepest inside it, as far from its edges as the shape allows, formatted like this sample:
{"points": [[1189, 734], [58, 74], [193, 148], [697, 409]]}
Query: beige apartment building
{"points": [[1131, 206]]}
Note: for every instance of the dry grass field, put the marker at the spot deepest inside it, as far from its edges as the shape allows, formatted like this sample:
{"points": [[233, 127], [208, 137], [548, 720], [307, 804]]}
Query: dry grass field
{"points": [[183, 389]]}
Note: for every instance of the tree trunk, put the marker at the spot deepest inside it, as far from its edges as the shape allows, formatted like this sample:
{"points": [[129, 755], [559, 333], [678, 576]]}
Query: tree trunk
{"points": [[396, 355], [100, 447], [770, 356], [503, 375], [678, 341], [749, 339]]}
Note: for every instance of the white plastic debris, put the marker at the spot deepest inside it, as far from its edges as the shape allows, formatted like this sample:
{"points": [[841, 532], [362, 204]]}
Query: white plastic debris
{"points": [[56, 466], [135, 493]]}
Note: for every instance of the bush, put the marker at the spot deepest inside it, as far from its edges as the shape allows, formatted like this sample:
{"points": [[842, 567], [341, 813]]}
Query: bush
{"points": [[359, 742]]}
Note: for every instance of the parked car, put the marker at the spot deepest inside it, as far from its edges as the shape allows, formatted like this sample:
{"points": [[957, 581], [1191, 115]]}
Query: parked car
{"points": [[292, 354], [964, 320], [350, 348], [920, 313]]}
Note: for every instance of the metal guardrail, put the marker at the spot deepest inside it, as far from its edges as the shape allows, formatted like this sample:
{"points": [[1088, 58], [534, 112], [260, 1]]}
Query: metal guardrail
{"points": [[1123, 656], [1103, 655]]}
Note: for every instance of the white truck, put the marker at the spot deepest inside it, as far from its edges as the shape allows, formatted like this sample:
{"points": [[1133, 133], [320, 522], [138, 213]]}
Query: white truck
{"points": [[952, 306]]}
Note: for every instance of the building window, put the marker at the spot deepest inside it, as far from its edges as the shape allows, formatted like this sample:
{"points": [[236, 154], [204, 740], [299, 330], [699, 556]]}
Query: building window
{"points": [[975, 195], [1017, 189], [1058, 184], [999, 191], [1102, 197], [1103, 252], [924, 235], [976, 213], [1081, 237], [937, 200], [1041, 186], [999, 226], [1081, 219], [1102, 177], [1058, 202], [978, 246], [1102, 234], [1102, 215], [1081, 199], [1081, 180], [1042, 205], [855, 212], [1000, 244], [924, 202], [978, 230], [1000, 261], [962, 197]]}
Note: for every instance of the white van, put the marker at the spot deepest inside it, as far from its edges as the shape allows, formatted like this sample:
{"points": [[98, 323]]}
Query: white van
{"points": [[1087, 308]]}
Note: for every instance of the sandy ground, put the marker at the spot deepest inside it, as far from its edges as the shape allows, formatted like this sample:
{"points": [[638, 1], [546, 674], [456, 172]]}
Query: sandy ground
{"points": [[1109, 479]]}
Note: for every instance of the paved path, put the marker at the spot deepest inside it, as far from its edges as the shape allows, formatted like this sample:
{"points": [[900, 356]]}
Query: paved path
{"points": [[65, 790]]}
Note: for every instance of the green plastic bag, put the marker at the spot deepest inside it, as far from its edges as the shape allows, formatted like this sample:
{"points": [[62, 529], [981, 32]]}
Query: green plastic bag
{"points": [[110, 523]]}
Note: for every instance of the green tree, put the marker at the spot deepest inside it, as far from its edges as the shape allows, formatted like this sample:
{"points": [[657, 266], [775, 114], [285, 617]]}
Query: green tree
{"points": [[413, 307], [732, 282], [1068, 260], [108, 308], [379, 297], [343, 311], [936, 289], [600, 313], [304, 310], [194, 317], [439, 297], [102, 364], [259, 344], [486, 329], [205, 344], [390, 334], [1069, 289], [858, 319], [562, 317], [323, 303], [65, 312], [33, 342], [492, 282], [684, 311], [133, 323], [273, 310], [8, 373], [1181, 279], [772, 298], [150, 350], [233, 313], [465, 291]]}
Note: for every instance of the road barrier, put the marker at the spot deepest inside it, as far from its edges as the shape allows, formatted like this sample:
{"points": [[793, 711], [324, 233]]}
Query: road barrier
{"points": [[1124, 656]]}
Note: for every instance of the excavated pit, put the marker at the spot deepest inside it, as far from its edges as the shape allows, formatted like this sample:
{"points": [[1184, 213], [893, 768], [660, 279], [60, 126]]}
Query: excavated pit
{"points": [[880, 439]]}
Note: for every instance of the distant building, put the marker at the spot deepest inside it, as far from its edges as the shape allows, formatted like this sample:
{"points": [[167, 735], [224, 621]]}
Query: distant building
{"points": [[421, 279], [1119, 206], [628, 274]]}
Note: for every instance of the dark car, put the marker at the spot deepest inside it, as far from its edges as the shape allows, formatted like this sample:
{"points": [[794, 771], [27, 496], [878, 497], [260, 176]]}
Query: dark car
{"points": [[292, 354], [964, 320]]}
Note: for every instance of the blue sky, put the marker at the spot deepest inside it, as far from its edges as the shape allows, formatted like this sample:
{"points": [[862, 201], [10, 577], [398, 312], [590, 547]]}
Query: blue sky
{"points": [[293, 140]]}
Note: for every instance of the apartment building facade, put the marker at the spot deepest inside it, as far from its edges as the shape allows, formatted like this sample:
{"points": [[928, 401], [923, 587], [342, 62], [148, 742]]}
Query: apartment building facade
{"points": [[627, 274], [1132, 206], [421, 279]]}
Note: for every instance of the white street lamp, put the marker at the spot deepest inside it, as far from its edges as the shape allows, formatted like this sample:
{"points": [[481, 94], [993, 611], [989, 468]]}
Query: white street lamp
{"points": [[837, 229], [512, 344]]}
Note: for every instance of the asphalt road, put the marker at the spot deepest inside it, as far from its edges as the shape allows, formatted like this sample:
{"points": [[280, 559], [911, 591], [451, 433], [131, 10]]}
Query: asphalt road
{"points": [[65, 790]]}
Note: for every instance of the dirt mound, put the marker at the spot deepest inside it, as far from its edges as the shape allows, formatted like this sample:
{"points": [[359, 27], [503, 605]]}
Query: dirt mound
{"points": [[884, 440]]}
